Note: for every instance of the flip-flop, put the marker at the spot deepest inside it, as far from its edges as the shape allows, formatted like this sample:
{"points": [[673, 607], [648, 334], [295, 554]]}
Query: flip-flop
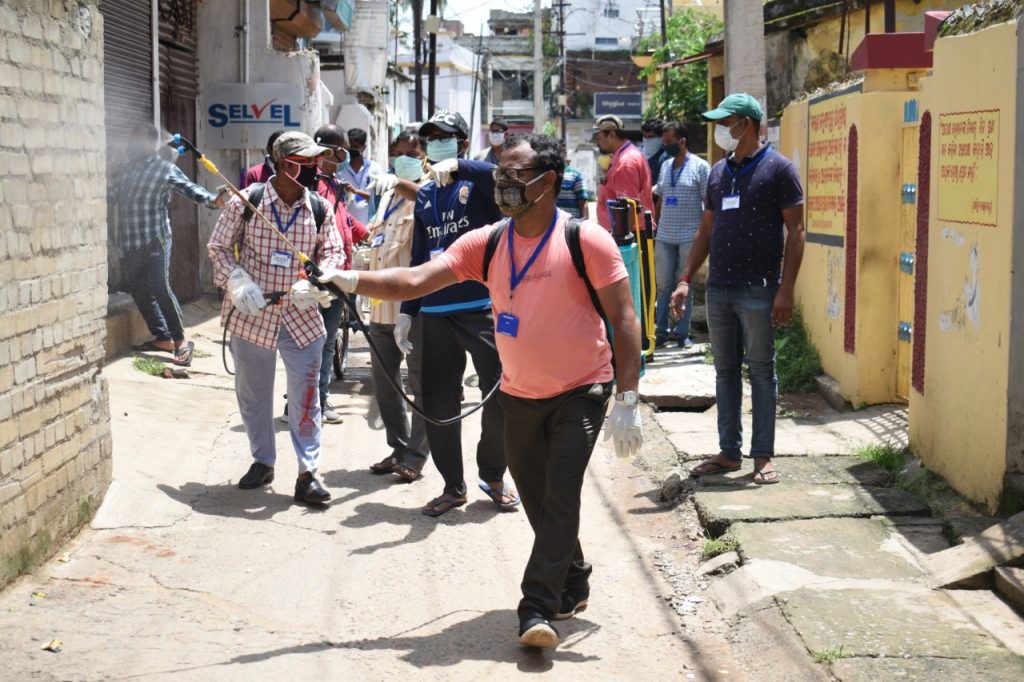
{"points": [[183, 355], [766, 477], [407, 473], [496, 496], [714, 468], [151, 347], [443, 504]]}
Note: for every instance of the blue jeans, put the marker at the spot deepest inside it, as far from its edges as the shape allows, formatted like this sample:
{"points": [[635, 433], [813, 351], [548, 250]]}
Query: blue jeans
{"points": [[332, 318], [147, 273], [739, 319], [669, 261]]}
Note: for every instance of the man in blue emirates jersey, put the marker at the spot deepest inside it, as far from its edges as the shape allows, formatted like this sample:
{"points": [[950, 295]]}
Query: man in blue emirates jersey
{"points": [[457, 319]]}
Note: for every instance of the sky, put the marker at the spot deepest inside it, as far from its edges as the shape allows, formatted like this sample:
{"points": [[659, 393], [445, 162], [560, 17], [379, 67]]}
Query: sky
{"points": [[474, 13]]}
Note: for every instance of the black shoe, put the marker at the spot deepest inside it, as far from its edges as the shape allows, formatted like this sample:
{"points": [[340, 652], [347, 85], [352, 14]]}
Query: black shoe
{"points": [[537, 631], [572, 603], [257, 476], [659, 341], [310, 491]]}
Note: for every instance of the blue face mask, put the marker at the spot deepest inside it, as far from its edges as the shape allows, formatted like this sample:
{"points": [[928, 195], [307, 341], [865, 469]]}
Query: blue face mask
{"points": [[408, 168], [342, 165], [442, 150]]}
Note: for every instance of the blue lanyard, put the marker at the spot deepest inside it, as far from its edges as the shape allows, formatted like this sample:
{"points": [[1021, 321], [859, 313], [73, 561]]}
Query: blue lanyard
{"points": [[277, 218], [516, 279], [746, 169], [392, 208], [675, 177], [451, 202]]}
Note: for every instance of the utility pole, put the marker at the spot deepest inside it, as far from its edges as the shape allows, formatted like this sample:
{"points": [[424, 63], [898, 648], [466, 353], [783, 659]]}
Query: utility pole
{"points": [[432, 66], [563, 99], [538, 70], [417, 39]]}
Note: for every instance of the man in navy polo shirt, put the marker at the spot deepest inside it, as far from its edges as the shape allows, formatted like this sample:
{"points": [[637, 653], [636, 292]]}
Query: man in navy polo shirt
{"points": [[457, 319], [753, 193]]}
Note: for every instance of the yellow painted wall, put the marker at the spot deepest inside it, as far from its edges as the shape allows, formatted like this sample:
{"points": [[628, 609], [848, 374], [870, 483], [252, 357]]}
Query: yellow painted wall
{"points": [[958, 427], [824, 36], [867, 376]]}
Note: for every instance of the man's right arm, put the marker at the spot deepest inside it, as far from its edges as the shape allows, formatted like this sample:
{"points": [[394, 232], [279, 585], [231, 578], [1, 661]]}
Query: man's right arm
{"points": [[698, 254], [402, 284], [420, 255]]}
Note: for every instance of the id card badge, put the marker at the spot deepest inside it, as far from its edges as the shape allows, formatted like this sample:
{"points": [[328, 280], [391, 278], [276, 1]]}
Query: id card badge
{"points": [[281, 259], [377, 240], [435, 253], [508, 325], [730, 202], [671, 201]]}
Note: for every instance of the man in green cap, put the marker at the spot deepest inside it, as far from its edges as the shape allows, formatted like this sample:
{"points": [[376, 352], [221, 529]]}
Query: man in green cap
{"points": [[753, 197]]}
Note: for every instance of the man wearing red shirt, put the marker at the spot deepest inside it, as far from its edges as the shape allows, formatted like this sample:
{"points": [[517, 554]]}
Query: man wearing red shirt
{"points": [[262, 171], [629, 175]]}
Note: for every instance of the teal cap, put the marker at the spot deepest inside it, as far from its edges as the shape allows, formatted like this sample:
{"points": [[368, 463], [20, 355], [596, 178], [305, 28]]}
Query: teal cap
{"points": [[739, 104]]}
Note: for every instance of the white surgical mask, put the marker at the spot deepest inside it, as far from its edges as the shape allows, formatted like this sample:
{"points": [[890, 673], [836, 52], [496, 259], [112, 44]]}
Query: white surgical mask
{"points": [[408, 168], [651, 146], [724, 138], [441, 150], [496, 139]]}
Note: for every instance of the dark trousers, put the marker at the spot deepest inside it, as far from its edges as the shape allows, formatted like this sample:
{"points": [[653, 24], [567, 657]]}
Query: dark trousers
{"points": [[446, 340], [548, 444], [408, 443], [147, 272]]}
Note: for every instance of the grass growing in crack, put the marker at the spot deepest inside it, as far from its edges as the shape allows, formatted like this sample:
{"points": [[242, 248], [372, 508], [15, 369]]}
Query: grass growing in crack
{"points": [[886, 456], [797, 362], [924, 483], [709, 355], [829, 656], [716, 546], [148, 366]]}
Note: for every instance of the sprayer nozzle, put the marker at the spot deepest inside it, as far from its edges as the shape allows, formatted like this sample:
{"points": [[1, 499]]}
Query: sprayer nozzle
{"points": [[181, 149], [177, 138]]}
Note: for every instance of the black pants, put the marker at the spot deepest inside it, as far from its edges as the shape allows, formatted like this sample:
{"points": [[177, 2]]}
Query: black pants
{"points": [[446, 340], [147, 272], [548, 444]]}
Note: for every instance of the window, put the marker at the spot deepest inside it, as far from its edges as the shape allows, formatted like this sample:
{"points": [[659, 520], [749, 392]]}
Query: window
{"points": [[606, 41], [611, 12]]}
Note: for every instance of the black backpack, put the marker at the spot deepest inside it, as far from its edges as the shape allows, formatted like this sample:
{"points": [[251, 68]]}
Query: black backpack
{"points": [[318, 203], [572, 240]]}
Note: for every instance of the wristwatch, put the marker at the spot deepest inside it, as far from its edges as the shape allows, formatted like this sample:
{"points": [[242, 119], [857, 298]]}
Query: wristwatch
{"points": [[628, 398]]}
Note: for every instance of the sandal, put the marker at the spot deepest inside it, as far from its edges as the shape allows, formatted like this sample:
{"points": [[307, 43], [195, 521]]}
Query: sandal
{"points": [[709, 467], [152, 347], [497, 495], [385, 466], [183, 355], [443, 504], [766, 477], [407, 473]]}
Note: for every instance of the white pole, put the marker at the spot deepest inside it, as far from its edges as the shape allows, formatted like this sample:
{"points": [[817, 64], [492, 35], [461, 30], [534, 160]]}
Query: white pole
{"points": [[538, 71]]}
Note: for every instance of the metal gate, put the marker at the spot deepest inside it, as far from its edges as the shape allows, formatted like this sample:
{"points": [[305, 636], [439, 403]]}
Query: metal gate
{"points": [[908, 232]]}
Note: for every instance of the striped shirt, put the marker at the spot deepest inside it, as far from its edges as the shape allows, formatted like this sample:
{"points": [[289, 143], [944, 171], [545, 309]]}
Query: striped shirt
{"points": [[572, 191], [141, 192], [257, 245], [682, 191]]}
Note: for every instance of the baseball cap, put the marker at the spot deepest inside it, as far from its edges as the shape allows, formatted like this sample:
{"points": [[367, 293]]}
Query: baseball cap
{"points": [[740, 104], [609, 122], [295, 143], [447, 122]]}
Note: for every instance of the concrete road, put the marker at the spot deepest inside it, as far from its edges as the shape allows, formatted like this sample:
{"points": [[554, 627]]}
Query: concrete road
{"points": [[183, 576]]}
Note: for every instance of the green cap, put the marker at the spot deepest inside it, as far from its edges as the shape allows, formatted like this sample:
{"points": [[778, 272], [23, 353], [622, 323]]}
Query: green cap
{"points": [[740, 104]]}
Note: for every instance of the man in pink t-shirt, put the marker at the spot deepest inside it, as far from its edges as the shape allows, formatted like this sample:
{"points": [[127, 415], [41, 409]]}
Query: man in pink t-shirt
{"points": [[629, 175], [556, 359]]}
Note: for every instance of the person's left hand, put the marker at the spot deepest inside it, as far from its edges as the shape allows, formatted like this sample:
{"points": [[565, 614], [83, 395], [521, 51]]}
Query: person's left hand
{"points": [[382, 184], [625, 428], [220, 199], [304, 295], [782, 308], [441, 172]]}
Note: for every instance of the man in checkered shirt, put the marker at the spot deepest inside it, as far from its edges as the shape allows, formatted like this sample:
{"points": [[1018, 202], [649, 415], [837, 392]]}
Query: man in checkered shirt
{"points": [[267, 265], [140, 194]]}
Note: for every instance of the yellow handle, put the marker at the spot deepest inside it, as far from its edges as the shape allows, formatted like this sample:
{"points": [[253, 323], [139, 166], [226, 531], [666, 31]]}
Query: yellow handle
{"points": [[209, 165]]}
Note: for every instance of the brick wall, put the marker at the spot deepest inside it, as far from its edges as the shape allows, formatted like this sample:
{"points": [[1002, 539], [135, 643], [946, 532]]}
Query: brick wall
{"points": [[54, 414]]}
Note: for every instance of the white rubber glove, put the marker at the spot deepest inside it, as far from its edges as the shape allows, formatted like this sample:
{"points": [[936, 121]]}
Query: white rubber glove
{"points": [[346, 280], [403, 325], [245, 294], [382, 183], [625, 428], [441, 172], [304, 295]]}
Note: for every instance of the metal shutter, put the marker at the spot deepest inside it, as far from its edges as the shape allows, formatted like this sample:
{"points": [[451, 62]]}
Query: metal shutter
{"points": [[127, 70]]}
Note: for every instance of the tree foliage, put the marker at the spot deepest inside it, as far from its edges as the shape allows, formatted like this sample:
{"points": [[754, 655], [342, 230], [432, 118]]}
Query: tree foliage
{"points": [[685, 96]]}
